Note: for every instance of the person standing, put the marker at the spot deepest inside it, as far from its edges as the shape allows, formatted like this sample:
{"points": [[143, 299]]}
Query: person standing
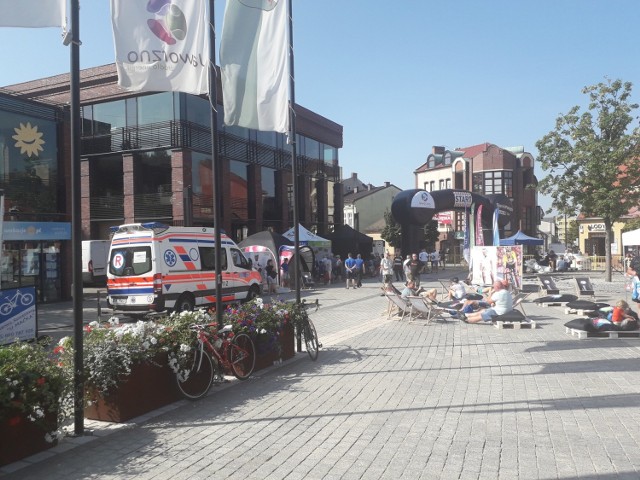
{"points": [[397, 267], [386, 269], [415, 267], [328, 270], [350, 271], [284, 267], [272, 276], [435, 260], [423, 256], [359, 270], [339, 268], [442, 258]]}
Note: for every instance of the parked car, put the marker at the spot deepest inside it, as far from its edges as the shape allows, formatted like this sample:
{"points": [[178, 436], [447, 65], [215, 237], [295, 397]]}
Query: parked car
{"points": [[580, 262]]}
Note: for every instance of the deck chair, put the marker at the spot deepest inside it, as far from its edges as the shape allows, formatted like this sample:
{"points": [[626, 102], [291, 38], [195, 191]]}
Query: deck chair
{"points": [[584, 287], [518, 299], [404, 306], [420, 307], [547, 286]]}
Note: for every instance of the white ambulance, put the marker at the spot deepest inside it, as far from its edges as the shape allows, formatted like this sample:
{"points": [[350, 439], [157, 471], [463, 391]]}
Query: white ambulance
{"points": [[153, 267]]}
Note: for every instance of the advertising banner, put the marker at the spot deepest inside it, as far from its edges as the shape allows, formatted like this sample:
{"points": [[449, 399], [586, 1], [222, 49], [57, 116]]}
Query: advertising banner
{"points": [[18, 318]]}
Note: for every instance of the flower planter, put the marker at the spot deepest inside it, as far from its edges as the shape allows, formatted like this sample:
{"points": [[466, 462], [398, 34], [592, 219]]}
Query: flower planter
{"points": [[267, 353], [147, 388], [20, 437]]}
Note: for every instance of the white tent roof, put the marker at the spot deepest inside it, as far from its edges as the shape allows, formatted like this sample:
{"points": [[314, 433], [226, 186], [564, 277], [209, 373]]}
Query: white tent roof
{"points": [[308, 237], [631, 238]]}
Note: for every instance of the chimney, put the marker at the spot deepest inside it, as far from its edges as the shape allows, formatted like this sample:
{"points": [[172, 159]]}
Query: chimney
{"points": [[437, 150], [354, 176], [387, 184]]}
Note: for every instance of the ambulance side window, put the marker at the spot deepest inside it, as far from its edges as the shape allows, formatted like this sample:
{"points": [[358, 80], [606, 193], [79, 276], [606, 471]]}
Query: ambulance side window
{"points": [[208, 258], [239, 260]]}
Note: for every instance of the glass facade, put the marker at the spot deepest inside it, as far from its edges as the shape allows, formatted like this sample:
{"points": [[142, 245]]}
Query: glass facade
{"points": [[29, 163]]}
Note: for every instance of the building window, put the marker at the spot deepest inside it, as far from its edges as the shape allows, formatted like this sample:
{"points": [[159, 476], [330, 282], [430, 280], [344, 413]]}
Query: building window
{"points": [[431, 161], [447, 183], [494, 182], [441, 184], [432, 185], [426, 186]]}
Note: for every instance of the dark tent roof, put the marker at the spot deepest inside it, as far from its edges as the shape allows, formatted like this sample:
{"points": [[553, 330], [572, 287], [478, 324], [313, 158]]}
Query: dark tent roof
{"points": [[521, 239], [273, 241], [345, 239]]}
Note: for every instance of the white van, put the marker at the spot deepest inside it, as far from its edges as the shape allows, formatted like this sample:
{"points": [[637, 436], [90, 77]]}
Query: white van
{"points": [[95, 255], [153, 267]]}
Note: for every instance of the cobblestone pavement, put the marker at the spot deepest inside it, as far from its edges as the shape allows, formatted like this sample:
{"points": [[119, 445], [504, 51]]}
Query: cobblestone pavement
{"points": [[393, 399]]}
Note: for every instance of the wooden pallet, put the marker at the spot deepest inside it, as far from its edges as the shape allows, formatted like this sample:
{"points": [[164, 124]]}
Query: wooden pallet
{"points": [[578, 311], [581, 334], [551, 304], [515, 325]]}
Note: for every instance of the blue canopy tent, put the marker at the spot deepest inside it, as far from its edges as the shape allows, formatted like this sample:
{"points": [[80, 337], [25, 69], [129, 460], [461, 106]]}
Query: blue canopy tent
{"points": [[520, 239]]}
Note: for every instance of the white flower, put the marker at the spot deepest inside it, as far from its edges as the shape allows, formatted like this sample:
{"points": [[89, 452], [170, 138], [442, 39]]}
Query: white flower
{"points": [[153, 340], [114, 321], [94, 324], [146, 345], [185, 348], [263, 331]]}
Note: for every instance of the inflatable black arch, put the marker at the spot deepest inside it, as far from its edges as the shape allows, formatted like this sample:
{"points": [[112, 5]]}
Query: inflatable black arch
{"points": [[417, 207]]}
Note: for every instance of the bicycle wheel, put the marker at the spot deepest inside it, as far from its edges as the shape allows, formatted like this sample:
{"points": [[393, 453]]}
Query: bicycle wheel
{"points": [[200, 376], [311, 340], [242, 356]]}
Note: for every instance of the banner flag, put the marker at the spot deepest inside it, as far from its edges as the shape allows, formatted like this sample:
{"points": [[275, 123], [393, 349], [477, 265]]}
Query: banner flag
{"points": [[33, 13], [479, 233], [496, 229], [254, 62], [162, 45], [466, 246]]}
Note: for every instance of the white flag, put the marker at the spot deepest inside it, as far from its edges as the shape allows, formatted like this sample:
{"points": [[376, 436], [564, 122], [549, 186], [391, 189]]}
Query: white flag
{"points": [[254, 60], [162, 45], [33, 13]]}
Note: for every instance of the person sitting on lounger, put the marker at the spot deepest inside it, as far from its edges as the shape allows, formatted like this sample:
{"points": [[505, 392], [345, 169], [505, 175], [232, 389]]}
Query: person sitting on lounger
{"points": [[409, 289], [501, 302], [457, 290]]}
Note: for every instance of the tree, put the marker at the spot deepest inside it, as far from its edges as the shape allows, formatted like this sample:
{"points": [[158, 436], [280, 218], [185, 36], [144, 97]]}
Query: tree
{"points": [[631, 225], [592, 158], [431, 234], [392, 231]]}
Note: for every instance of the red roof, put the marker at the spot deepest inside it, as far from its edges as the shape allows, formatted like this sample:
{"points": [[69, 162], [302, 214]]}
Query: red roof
{"points": [[472, 151]]}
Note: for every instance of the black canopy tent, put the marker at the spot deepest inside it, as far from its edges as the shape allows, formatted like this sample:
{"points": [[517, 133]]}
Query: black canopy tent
{"points": [[345, 239]]}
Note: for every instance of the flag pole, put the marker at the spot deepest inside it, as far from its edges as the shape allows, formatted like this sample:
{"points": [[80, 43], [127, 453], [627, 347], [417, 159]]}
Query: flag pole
{"points": [[294, 160], [76, 218], [215, 161]]}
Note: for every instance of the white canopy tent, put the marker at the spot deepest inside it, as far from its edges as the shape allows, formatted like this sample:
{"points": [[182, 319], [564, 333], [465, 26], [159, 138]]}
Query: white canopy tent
{"points": [[321, 246], [632, 238]]}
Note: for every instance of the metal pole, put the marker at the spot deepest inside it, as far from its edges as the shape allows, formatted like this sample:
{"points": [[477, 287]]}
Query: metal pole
{"points": [[215, 159], [76, 227], [294, 167]]}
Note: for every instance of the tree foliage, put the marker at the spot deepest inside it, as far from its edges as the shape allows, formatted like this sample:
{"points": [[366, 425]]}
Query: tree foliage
{"points": [[431, 234], [392, 231], [591, 157]]}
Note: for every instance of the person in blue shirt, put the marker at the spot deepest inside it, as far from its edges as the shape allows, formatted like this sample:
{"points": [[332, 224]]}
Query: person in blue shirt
{"points": [[359, 270], [350, 270]]}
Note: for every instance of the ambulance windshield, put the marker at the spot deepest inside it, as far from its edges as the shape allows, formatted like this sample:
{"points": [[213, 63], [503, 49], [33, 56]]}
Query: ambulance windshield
{"points": [[128, 261]]}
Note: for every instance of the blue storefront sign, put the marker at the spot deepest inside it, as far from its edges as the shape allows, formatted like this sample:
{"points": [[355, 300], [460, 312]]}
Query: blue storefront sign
{"points": [[18, 318], [36, 231]]}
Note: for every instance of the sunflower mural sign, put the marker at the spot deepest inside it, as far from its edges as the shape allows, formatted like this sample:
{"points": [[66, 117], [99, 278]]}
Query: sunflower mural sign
{"points": [[28, 140], [29, 162]]}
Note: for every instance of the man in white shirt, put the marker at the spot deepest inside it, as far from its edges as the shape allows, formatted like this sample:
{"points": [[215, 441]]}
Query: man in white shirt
{"points": [[423, 256]]}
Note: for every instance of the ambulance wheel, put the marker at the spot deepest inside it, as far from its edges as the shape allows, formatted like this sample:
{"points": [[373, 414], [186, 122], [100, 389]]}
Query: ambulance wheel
{"points": [[185, 303], [254, 292]]}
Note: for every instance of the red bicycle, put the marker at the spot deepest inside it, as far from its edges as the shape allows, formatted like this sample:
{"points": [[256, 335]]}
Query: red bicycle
{"points": [[216, 352]]}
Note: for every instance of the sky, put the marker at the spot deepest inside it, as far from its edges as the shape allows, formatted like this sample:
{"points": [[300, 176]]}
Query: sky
{"points": [[403, 76]]}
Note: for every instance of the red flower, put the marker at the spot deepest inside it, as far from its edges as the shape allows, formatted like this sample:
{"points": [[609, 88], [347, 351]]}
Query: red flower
{"points": [[58, 349], [14, 421], [41, 381]]}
